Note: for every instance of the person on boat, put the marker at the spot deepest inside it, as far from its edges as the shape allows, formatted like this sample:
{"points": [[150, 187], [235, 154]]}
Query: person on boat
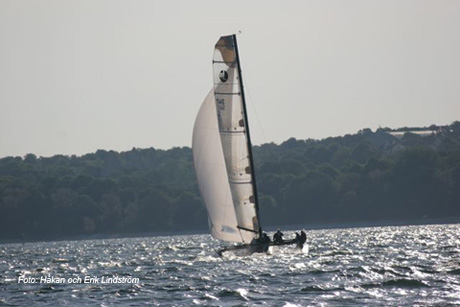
{"points": [[302, 238], [265, 242], [278, 237], [297, 237], [265, 239], [261, 244]]}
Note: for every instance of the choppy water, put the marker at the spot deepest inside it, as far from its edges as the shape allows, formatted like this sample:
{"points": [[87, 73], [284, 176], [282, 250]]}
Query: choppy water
{"points": [[404, 266]]}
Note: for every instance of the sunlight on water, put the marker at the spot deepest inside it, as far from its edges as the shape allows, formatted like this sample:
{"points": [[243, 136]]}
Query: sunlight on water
{"points": [[412, 265]]}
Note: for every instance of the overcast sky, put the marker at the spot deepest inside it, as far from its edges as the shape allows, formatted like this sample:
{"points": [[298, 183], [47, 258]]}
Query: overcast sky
{"points": [[78, 76]]}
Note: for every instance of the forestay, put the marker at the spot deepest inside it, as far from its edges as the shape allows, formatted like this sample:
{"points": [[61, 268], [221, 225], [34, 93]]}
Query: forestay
{"points": [[221, 152]]}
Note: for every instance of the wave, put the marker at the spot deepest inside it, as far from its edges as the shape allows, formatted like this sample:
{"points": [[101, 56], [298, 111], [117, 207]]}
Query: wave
{"points": [[398, 283], [453, 272], [238, 293], [320, 288]]}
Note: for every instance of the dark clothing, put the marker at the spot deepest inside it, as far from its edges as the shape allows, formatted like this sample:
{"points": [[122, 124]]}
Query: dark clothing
{"points": [[260, 245], [297, 237], [265, 239], [278, 237], [300, 239], [303, 237]]}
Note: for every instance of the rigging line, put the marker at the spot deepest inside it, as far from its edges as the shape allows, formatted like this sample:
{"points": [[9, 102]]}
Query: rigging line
{"points": [[253, 107]]}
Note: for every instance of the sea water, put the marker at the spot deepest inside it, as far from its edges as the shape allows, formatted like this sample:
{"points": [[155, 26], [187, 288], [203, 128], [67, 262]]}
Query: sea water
{"points": [[376, 266]]}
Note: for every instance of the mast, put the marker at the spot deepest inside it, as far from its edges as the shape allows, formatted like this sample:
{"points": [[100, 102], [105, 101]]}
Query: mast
{"points": [[248, 137]]}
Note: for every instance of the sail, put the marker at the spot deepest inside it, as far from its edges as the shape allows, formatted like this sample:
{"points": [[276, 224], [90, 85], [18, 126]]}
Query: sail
{"points": [[222, 153], [211, 173]]}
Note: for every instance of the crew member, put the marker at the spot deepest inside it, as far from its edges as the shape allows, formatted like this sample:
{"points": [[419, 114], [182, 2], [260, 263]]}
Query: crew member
{"points": [[302, 239], [278, 237]]}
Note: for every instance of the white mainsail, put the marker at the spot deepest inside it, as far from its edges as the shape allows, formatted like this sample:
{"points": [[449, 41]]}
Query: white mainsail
{"points": [[222, 152]]}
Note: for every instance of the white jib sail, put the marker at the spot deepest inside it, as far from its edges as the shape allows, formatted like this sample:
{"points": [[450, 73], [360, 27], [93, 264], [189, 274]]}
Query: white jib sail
{"points": [[220, 153]]}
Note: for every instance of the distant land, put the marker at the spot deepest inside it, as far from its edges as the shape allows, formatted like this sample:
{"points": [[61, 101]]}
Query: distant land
{"points": [[388, 176]]}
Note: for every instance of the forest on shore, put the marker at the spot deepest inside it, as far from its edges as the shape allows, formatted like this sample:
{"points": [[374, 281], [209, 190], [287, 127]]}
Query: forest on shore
{"points": [[365, 177]]}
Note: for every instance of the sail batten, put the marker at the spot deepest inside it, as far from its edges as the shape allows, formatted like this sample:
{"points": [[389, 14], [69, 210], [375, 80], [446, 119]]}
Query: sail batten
{"points": [[222, 152]]}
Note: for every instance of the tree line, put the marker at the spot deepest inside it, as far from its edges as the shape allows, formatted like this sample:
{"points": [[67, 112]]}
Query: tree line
{"points": [[364, 177]]}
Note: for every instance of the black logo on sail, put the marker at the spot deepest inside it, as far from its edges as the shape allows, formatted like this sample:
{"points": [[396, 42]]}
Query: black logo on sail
{"points": [[223, 75]]}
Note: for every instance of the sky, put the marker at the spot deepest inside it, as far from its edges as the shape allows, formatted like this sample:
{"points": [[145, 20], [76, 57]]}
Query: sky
{"points": [[78, 76]]}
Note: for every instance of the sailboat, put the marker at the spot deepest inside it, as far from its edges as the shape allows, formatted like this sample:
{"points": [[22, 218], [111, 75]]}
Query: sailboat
{"points": [[222, 155]]}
